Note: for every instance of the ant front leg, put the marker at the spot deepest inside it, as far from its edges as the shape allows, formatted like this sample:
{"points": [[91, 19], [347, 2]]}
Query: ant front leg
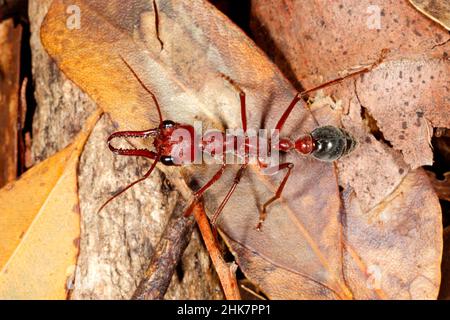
{"points": [[263, 212], [198, 194]]}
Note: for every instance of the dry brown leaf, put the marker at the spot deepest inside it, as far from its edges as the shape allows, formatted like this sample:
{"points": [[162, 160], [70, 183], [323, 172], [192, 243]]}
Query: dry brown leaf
{"points": [[438, 11], [39, 224], [395, 249], [377, 245], [408, 98]]}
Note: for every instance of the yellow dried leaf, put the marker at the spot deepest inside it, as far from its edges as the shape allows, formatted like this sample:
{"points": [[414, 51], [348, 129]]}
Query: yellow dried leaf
{"points": [[40, 226]]}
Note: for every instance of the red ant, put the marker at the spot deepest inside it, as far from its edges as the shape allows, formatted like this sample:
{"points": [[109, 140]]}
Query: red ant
{"points": [[326, 143]]}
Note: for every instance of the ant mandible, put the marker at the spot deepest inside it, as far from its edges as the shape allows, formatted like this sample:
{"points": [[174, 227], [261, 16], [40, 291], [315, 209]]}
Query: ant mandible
{"points": [[325, 143]]}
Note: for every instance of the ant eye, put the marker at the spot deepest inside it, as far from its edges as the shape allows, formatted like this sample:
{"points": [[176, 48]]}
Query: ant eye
{"points": [[167, 160], [168, 124]]}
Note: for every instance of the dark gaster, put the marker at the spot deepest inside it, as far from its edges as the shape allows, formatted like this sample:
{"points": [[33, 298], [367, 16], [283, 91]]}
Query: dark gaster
{"points": [[331, 143]]}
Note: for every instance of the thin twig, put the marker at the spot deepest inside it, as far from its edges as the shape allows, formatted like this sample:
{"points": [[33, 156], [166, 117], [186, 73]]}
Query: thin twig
{"points": [[252, 292], [225, 271], [165, 259]]}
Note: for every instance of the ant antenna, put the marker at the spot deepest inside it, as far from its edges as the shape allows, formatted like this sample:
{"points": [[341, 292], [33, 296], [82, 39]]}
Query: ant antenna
{"points": [[146, 89], [149, 172], [137, 152]]}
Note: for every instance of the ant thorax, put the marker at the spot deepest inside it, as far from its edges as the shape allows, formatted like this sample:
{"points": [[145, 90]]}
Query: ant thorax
{"points": [[186, 145], [236, 147]]}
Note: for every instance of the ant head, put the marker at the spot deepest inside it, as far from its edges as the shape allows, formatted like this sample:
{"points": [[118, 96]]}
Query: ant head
{"points": [[305, 144], [175, 143]]}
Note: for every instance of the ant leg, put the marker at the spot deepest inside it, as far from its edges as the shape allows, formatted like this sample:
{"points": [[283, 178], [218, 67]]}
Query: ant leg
{"points": [[199, 193], [302, 94], [219, 173], [243, 113], [263, 212], [132, 152], [242, 98], [380, 59], [237, 179], [287, 112]]}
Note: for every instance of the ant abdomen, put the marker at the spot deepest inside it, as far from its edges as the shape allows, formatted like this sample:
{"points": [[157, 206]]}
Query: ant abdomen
{"points": [[331, 143]]}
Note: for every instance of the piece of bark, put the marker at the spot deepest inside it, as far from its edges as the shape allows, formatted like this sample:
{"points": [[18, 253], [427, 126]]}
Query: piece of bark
{"points": [[61, 107], [24, 149], [116, 245], [10, 43], [165, 259]]}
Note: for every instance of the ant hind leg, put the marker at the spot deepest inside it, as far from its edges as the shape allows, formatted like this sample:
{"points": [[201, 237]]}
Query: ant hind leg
{"points": [[263, 212], [300, 95]]}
